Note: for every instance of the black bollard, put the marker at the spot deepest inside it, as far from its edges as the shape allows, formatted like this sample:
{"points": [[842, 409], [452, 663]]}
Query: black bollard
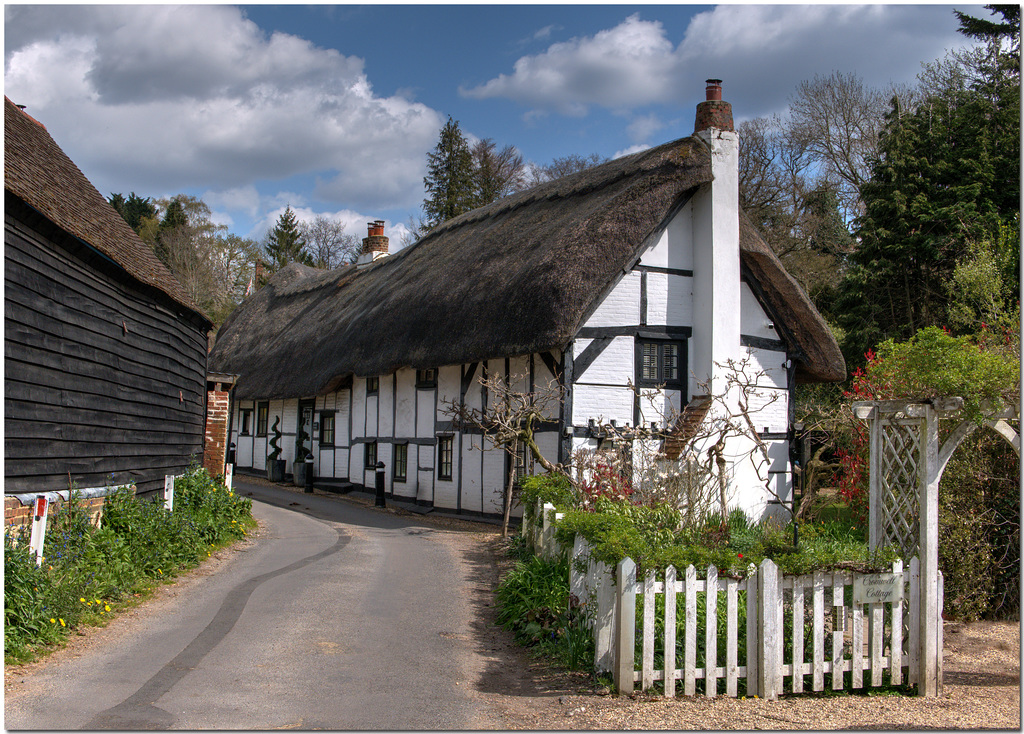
{"points": [[309, 474], [380, 486]]}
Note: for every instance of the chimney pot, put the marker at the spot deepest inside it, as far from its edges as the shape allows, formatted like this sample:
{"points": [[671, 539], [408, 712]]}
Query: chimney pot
{"points": [[375, 244], [713, 113]]}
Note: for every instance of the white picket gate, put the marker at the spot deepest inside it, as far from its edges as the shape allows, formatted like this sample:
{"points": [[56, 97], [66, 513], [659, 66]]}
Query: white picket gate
{"points": [[791, 626]]}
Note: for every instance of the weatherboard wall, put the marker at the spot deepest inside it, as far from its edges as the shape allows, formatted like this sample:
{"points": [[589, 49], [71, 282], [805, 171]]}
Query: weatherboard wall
{"points": [[104, 377]]}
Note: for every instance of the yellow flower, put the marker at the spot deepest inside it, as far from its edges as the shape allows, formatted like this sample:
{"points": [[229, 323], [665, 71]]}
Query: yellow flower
{"points": [[81, 599], [62, 623], [160, 571], [107, 607], [53, 621]]}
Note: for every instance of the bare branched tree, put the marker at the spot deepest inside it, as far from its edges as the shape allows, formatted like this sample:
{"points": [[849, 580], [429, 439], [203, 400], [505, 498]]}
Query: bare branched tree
{"points": [[509, 420], [838, 119], [563, 166], [327, 242], [497, 173]]}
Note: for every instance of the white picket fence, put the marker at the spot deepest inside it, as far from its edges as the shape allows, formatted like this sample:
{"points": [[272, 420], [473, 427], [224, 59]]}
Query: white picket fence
{"points": [[793, 627]]}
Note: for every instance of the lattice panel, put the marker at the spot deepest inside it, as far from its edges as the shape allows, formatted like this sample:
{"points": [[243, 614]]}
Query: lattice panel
{"points": [[900, 484]]}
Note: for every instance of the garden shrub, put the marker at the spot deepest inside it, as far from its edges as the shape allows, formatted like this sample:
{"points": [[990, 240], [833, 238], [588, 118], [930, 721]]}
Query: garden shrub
{"points": [[979, 513], [553, 488], [535, 605]]}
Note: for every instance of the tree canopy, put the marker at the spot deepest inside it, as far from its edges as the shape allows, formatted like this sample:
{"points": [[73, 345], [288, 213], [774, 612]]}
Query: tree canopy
{"points": [[284, 243], [449, 182]]}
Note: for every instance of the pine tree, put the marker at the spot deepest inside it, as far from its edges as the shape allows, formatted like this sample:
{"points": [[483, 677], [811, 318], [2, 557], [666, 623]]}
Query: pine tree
{"points": [[284, 243], [947, 181], [133, 209], [449, 183]]}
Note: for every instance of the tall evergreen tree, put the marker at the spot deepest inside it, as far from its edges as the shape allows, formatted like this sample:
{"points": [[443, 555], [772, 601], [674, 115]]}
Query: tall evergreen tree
{"points": [[284, 243], [449, 183], [946, 182], [134, 209]]}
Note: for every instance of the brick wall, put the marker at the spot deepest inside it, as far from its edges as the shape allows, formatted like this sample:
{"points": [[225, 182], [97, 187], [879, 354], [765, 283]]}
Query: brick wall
{"points": [[17, 515], [215, 446]]}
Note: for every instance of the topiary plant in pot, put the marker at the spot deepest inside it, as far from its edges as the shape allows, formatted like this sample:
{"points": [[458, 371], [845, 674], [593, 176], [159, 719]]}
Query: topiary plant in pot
{"points": [[300, 466], [275, 464]]}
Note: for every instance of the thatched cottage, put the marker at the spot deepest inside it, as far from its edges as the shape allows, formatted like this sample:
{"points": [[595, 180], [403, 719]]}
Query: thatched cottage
{"points": [[639, 272], [104, 352]]}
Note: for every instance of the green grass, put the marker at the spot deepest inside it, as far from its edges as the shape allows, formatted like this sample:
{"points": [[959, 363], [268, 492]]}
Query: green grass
{"points": [[88, 573]]}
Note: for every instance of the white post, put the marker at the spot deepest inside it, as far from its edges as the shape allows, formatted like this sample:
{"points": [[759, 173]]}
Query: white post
{"points": [[625, 625], [169, 492], [604, 618], [577, 579], [928, 546], [229, 475], [753, 636], [40, 509], [768, 602]]}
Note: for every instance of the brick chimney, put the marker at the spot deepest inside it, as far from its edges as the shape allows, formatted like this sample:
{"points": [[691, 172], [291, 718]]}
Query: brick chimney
{"points": [[375, 244], [713, 113]]}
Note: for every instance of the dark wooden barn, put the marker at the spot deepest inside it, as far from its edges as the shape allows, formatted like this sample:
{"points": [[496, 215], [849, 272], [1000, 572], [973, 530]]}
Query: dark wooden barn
{"points": [[105, 354]]}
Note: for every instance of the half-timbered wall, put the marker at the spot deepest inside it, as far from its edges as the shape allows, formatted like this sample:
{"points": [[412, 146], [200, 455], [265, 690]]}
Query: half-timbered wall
{"points": [[654, 302], [105, 379], [402, 412]]}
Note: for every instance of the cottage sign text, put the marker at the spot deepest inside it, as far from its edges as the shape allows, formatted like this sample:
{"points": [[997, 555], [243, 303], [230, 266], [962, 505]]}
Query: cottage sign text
{"points": [[879, 588]]}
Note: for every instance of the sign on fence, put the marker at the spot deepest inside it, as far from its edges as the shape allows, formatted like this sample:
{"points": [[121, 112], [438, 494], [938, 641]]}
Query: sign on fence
{"points": [[878, 588]]}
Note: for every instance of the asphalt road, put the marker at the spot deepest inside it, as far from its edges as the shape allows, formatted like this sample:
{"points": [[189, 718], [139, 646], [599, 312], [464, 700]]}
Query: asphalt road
{"points": [[338, 617]]}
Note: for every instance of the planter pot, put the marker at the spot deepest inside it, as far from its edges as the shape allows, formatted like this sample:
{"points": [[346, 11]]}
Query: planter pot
{"points": [[299, 473], [275, 470]]}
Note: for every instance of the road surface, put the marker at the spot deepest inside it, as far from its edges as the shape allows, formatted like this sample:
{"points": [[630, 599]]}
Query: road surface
{"points": [[338, 617]]}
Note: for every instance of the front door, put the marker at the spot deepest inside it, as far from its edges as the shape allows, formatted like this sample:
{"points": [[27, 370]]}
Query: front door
{"points": [[304, 438]]}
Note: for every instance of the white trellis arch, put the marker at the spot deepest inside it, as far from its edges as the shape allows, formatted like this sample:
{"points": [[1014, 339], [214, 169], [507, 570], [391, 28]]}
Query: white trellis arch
{"points": [[905, 465]]}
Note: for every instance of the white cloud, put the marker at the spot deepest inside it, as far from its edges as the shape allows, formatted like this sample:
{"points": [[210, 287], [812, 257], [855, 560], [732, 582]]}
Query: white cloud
{"points": [[644, 127], [625, 65], [761, 52], [631, 150], [244, 198], [174, 97]]}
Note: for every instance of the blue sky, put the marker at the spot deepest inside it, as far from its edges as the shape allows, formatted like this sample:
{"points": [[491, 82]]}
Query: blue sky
{"points": [[332, 109]]}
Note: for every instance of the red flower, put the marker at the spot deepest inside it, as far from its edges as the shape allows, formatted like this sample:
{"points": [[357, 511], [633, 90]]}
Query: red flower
{"points": [[741, 555]]}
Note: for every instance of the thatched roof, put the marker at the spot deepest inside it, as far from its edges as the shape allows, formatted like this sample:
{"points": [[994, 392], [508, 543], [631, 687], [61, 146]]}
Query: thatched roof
{"points": [[512, 278], [39, 173]]}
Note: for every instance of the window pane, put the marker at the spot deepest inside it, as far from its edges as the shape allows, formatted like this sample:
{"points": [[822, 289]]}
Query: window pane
{"points": [[444, 455], [670, 365], [401, 461], [649, 368]]}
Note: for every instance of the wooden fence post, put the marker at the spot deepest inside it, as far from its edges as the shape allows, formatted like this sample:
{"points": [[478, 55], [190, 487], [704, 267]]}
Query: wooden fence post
{"points": [[670, 632], [768, 601], [625, 625], [578, 581], [753, 636], [604, 617], [928, 680]]}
